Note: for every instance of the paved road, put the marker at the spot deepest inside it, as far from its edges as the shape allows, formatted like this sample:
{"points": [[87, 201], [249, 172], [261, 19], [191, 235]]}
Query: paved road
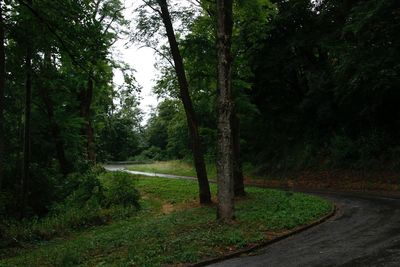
{"points": [[364, 232], [123, 167]]}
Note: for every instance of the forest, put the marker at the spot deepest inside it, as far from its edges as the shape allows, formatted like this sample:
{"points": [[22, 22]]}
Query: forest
{"points": [[247, 89]]}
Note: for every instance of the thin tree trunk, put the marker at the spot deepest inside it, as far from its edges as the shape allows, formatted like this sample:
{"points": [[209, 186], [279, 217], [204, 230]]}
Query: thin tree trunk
{"points": [[86, 97], [56, 135], [54, 127], [225, 161], [204, 188], [27, 131], [238, 171], [2, 89]]}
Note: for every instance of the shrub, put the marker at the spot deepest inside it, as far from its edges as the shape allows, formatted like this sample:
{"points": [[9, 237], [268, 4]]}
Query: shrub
{"points": [[88, 192], [101, 189], [119, 189], [96, 200]]}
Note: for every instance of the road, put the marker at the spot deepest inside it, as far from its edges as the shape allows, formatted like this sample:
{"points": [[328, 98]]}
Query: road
{"points": [[364, 232]]}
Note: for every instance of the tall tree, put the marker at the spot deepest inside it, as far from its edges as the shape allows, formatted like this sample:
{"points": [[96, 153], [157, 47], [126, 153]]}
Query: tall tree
{"points": [[225, 160], [204, 188], [55, 130], [2, 89], [200, 45], [27, 118], [86, 99]]}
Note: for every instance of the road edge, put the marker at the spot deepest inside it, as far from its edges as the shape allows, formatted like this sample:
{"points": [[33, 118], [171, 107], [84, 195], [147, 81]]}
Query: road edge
{"points": [[267, 243]]}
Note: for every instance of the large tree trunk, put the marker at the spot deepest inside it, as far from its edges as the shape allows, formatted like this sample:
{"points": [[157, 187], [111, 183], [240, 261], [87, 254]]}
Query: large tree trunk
{"points": [[2, 89], [238, 171], [54, 127], [225, 161], [86, 97], [205, 195]]}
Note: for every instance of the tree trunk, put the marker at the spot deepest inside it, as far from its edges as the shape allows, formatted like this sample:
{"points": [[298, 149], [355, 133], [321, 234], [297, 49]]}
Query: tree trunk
{"points": [[55, 133], [86, 97], [2, 89], [238, 171], [54, 127], [204, 188], [27, 131], [225, 161]]}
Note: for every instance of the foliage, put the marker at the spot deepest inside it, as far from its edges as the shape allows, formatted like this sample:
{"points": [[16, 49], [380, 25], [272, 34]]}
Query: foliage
{"points": [[119, 189], [98, 199], [70, 43], [315, 84]]}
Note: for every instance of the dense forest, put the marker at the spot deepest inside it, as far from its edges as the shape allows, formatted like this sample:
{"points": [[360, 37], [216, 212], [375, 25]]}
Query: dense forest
{"points": [[314, 85]]}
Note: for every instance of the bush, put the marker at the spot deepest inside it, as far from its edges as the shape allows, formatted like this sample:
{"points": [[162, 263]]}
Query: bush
{"points": [[98, 198], [119, 189], [103, 189]]}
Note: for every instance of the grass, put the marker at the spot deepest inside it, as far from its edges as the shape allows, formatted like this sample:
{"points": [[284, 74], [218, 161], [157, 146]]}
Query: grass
{"points": [[176, 167], [183, 168], [171, 228]]}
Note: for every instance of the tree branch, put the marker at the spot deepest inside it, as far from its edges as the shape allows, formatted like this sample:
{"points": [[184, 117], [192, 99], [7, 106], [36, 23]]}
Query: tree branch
{"points": [[153, 8], [163, 55]]}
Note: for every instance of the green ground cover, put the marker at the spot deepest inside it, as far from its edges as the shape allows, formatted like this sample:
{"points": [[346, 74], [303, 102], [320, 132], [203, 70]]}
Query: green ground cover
{"points": [[171, 228]]}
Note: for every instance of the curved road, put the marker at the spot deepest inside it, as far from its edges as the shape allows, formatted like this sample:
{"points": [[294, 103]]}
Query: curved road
{"points": [[364, 232]]}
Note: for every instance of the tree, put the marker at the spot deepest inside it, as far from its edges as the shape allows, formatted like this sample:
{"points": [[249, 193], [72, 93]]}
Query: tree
{"points": [[51, 48], [99, 13], [204, 188], [2, 92], [45, 93], [27, 117], [200, 56], [225, 161]]}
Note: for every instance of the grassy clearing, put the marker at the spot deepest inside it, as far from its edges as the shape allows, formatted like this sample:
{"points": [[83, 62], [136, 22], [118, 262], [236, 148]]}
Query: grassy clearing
{"points": [[175, 167], [171, 228]]}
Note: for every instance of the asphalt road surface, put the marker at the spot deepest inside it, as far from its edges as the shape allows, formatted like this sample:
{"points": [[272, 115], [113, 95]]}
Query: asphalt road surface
{"points": [[364, 232]]}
